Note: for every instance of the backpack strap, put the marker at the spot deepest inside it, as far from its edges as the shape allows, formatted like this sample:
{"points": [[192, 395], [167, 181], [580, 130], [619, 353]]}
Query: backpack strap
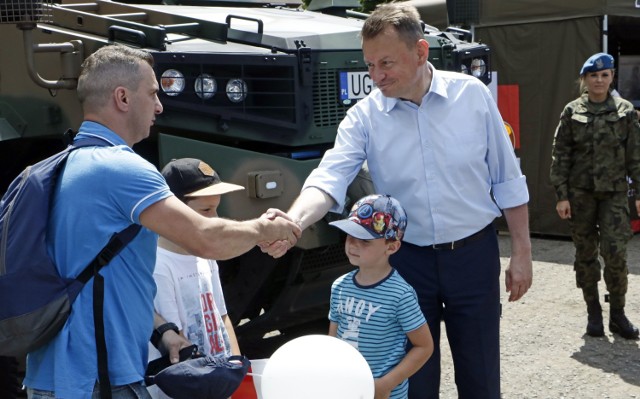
{"points": [[70, 134], [117, 242], [90, 141], [104, 382]]}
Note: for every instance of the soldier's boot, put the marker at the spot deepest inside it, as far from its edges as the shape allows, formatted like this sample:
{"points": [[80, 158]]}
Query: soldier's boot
{"points": [[595, 327], [619, 324]]}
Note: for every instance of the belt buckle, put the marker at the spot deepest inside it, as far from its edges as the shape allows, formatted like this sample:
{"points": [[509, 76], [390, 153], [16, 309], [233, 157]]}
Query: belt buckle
{"points": [[444, 246]]}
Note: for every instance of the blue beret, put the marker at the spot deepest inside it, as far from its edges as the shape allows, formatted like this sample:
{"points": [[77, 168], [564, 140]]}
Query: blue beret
{"points": [[597, 62]]}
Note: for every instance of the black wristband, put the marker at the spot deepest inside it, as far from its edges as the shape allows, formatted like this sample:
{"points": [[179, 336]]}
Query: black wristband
{"points": [[156, 336]]}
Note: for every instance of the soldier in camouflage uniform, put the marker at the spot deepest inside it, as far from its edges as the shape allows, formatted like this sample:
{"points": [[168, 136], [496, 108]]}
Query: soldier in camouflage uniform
{"points": [[596, 147]]}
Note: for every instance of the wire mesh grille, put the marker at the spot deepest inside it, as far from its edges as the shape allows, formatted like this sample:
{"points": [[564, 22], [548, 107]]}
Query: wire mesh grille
{"points": [[21, 11], [327, 110]]}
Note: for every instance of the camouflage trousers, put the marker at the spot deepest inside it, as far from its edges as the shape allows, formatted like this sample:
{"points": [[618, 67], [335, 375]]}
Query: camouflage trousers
{"points": [[600, 224]]}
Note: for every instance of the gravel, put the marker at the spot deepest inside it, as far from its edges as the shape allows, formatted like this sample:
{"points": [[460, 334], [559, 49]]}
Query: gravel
{"points": [[545, 353]]}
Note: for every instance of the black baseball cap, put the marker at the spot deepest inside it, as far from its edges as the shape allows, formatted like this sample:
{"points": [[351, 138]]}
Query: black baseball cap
{"points": [[190, 177]]}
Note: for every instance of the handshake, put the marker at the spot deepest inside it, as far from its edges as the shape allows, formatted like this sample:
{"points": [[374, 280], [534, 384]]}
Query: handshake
{"points": [[311, 206], [288, 229]]}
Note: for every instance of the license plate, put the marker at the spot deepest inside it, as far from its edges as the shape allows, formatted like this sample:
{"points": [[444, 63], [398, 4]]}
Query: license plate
{"points": [[354, 85]]}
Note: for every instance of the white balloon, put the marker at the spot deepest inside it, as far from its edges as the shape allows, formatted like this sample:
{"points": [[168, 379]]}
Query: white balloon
{"points": [[317, 367]]}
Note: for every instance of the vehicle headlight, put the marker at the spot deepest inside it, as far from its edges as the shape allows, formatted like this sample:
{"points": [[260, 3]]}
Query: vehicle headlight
{"points": [[236, 90], [172, 82], [478, 67], [205, 86]]}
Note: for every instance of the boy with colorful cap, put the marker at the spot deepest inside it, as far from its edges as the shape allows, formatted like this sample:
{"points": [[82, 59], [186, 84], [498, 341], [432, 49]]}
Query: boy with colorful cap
{"points": [[189, 290], [373, 308]]}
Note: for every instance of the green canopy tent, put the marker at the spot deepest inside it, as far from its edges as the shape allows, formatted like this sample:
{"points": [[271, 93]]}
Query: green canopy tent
{"points": [[537, 49]]}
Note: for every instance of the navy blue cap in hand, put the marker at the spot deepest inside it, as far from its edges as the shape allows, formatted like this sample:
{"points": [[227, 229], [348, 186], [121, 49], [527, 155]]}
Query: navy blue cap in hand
{"points": [[205, 377]]}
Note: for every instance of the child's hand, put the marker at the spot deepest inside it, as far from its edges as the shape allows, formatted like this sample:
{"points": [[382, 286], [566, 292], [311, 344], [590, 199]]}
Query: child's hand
{"points": [[383, 391], [172, 343]]}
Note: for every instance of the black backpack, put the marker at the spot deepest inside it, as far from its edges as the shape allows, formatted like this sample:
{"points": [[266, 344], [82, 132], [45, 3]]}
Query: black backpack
{"points": [[36, 300]]}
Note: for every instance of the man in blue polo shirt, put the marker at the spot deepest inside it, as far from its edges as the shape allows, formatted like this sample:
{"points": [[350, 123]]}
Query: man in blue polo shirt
{"points": [[101, 191]]}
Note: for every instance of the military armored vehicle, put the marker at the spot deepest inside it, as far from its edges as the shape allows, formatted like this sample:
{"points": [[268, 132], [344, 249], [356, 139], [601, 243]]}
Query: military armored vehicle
{"points": [[254, 88]]}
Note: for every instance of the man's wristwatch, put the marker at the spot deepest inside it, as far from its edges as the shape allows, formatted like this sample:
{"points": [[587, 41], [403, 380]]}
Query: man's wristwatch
{"points": [[156, 336]]}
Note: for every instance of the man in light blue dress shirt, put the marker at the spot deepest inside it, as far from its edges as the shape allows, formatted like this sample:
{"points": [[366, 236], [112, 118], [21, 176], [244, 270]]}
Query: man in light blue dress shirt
{"points": [[435, 141]]}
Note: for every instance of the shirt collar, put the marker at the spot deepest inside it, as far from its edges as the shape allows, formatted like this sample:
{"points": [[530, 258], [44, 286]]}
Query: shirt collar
{"points": [[95, 129], [609, 105], [438, 83], [438, 87]]}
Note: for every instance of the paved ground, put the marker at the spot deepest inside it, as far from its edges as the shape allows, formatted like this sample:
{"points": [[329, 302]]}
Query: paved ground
{"points": [[544, 351], [545, 354]]}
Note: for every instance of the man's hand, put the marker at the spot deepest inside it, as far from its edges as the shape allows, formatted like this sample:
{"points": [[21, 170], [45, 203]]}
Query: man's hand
{"points": [[310, 206], [273, 213], [282, 229], [519, 276], [277, 248]]}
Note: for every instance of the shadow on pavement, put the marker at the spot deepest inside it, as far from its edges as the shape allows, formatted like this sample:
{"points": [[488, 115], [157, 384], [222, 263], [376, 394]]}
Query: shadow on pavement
{"points": [[611, 354]]}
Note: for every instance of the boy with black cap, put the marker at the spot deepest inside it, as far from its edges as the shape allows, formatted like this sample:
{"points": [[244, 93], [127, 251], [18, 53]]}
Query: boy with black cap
{"points": [[373, 308], [189, 290]]}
